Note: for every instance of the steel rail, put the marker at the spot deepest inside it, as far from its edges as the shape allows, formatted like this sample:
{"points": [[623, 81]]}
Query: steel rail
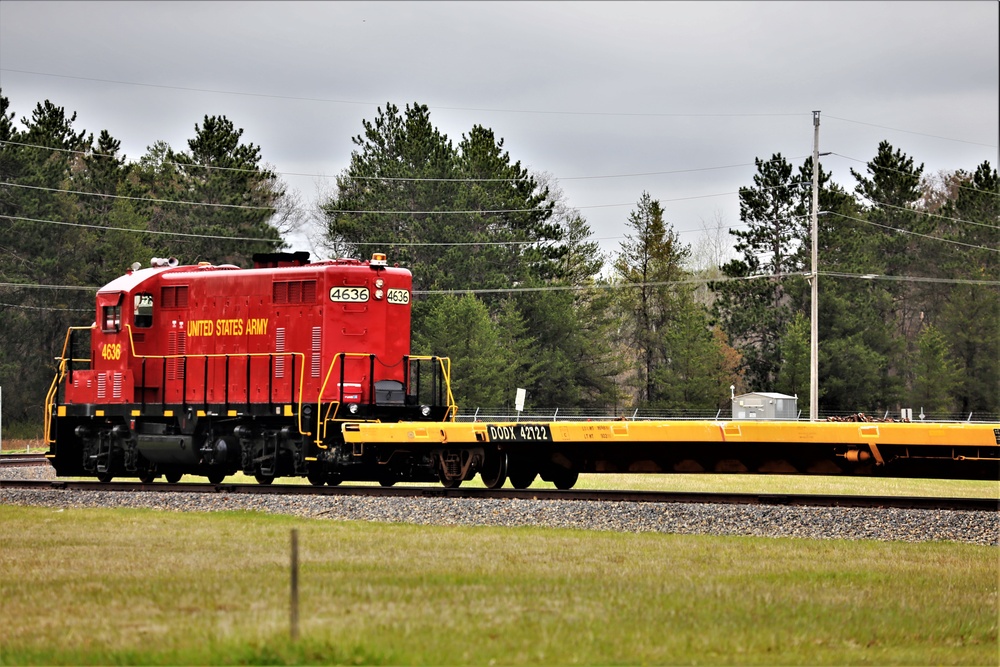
{"points": [[781, 499], [18, 460]]}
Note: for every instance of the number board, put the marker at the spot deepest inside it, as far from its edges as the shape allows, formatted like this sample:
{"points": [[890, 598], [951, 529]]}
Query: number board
{"points": [[398, 296], [520, 433], [349, 294]]}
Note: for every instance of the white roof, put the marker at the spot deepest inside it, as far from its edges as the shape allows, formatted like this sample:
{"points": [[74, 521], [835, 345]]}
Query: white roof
{"points": [[766, 394]]}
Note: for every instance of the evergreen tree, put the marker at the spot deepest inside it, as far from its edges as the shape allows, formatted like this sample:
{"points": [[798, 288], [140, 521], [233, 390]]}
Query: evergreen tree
{"points": [[649, 268], [793, 375], [462, 217], [753, 306], [694, 375], [390, 197], [935, 374], [486, 355], [39, 245], [970, 317], [230, 193]]}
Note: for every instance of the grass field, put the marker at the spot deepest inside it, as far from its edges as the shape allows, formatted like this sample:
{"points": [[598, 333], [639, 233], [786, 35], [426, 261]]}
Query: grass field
{"points": [[146, 587]]}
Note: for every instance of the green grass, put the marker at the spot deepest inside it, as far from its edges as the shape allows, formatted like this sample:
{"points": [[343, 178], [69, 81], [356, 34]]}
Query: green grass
{"points": [[147, 587]]}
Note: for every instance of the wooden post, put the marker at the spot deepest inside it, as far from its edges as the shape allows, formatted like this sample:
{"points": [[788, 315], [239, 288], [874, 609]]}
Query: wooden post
{"points": [[295, 586]]}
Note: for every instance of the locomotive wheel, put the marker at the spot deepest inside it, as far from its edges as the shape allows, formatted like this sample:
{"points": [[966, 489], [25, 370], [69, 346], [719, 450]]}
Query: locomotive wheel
{"points": [[386, 481], [565, 479], [334, 480], [104, 477], [494, 472], [216, 477], [451, 483], [521, 478], [147, 477], [264, 479], [316, 478], [173, 477]]}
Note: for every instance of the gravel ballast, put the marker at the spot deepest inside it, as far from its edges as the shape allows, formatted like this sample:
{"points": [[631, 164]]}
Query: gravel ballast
{"points": [[907, 525]]}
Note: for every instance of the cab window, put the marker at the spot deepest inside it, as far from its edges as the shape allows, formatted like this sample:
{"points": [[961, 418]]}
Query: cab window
{"points": [[111, 318], [143, 311]]}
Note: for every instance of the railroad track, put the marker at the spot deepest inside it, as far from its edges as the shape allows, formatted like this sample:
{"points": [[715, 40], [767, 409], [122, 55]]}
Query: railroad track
{"points": [[18, 460], [801, 500]]}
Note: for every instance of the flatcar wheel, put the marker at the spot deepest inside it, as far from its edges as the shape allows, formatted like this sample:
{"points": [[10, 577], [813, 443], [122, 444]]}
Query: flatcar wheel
{"points": [[494, 473], [334, 480], [173, 477], [451, 483], [565, 479], [216, 477], [264, 479], [387, 481], [522, 479], [147, 477], [104, 477]]}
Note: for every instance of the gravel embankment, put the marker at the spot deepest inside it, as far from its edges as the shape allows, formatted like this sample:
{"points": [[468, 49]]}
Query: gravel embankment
{"points": [[764, 521]]}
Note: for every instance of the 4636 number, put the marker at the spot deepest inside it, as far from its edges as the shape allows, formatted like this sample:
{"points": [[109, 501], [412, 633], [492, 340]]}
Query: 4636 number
{"points": [[111, 352], [349, 294]]}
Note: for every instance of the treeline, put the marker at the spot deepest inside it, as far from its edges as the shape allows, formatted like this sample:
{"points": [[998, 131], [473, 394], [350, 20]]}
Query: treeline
{"points": [[508, 281]]}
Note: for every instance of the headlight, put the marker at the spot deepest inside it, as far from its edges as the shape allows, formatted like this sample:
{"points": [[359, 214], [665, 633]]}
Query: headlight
{"points": [[425, 410], [352, 408]]}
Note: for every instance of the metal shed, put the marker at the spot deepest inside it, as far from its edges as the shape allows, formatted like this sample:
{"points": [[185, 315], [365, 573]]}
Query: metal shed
{"points": [[765, 405]]}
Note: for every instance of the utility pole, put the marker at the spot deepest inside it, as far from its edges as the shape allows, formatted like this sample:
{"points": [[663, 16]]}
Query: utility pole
{"points": [[814, 281]]}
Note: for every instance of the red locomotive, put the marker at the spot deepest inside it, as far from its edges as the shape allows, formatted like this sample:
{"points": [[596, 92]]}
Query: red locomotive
{"points": [[210, 370]]}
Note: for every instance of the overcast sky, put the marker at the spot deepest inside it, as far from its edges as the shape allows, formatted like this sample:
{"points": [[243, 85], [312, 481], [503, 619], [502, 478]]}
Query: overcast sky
{"points": [[611, 98]]}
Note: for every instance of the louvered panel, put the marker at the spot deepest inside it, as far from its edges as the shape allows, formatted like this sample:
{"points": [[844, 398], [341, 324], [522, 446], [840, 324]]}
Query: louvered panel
{"points": [[279, 293], [168, 297], [176, 345], [317, 338], [102, 385], [279, 346], [116, 386]]}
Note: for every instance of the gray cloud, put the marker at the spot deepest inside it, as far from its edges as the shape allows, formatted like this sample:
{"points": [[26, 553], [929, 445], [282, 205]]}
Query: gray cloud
{"points": [[920, 68]]}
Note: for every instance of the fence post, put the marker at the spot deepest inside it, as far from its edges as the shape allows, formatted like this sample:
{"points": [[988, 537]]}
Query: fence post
{"points": [[294, 620]]}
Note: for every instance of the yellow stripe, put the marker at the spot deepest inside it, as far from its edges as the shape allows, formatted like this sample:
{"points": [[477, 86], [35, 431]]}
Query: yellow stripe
{"points": [[845, 433]]}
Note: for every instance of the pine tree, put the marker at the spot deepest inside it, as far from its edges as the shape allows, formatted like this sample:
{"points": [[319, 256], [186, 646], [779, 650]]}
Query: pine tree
{"points": [[649, 267]]}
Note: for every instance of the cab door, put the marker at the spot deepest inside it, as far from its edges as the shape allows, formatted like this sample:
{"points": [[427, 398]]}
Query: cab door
{"points": [[110, 350]]}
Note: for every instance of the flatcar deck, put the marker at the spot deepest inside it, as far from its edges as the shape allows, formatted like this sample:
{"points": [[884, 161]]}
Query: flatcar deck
{"points": [[958, 450]]}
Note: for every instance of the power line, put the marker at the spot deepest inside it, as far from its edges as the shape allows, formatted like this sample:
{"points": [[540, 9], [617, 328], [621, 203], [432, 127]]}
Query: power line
{"points": [[623, 285], [378, 104], [50, 287], [61, 310], [408, 179], [139, 231], [909, 279], [922, 134], [906, 231], [907, 173], [931, 215], [142, 199]]}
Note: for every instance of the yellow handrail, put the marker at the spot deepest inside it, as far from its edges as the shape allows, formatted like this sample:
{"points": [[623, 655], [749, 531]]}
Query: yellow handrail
{"points": [[300, 355], [60, 375], [322, 419]]}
